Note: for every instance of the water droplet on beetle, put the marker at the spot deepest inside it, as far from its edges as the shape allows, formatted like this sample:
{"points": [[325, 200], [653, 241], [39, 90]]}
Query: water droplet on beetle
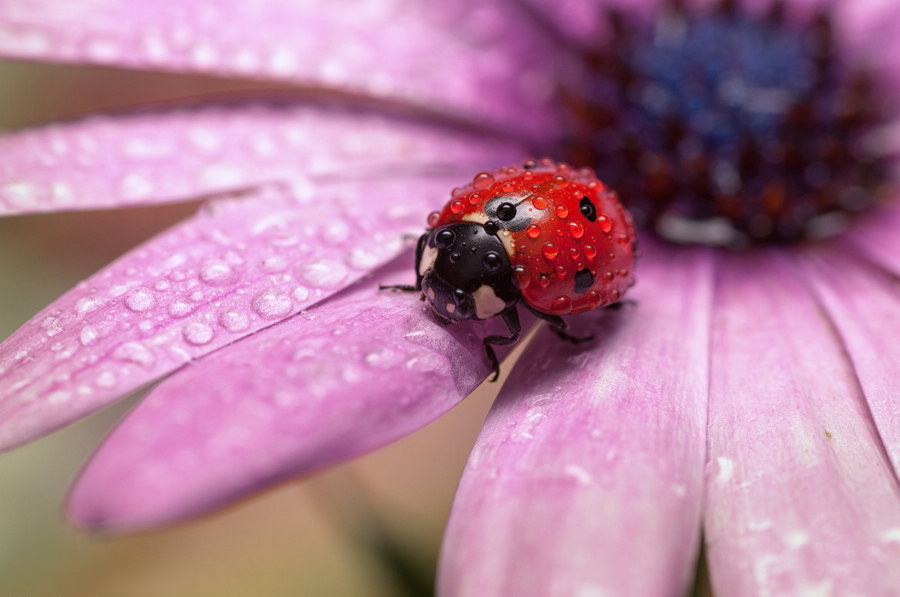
{"points": [[590, 251], [482, 180], [604, 223], [561, 305], [533, 231], [539, 202], [550, 251], [576, 230], [456, 206]]}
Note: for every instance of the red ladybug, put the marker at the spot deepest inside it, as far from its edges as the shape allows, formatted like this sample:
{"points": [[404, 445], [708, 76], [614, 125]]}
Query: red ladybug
{"points": [[543, 233]]}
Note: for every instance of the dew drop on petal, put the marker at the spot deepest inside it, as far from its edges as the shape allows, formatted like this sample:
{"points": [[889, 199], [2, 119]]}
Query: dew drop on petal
{"points": [[272, 304], [234, 320], [216, 272], [86, 305], [273, 264], [107, 379], [52, 326], [323, 274], [197, 333], [180, 308], [140, 300], [88, 335], [134, 352], [300, 294]]}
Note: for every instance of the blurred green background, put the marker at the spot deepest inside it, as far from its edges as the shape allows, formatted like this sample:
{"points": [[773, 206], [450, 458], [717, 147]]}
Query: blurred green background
{"points": [[369, 528]]}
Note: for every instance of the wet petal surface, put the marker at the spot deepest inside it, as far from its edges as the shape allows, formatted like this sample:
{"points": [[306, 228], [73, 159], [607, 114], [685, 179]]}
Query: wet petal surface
{"points": [[349, 375], [358, 46], [241, 264], [587, 477], [185, 154], [800, 496]]}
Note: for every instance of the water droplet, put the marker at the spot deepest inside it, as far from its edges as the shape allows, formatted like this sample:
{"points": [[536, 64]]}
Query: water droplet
{"points": [[550, 251], [300, 294], [521, 277], [482, 180], [456, 206], [335, 232], [474, 199], [272, 304], [273, 264], [544, 281], [134, 352], [162, 285], [533, 231], [433, 219], [323, 274], [234, 320], [197, 333], [593, 299], [562, 211], [134, 187], [86, 305], [560, 182], [180, 308], [590, 251], [604, 223], [107, 379], [576, 229], [508, 188], [217, 272], [140, 300], [539, 202], [362, 259], [561, 305], [88, 335], [561, 272], [52, 326], [20, 194]]}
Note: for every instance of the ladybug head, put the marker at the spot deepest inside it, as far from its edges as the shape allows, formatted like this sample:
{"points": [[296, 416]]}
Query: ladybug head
{"points": [[465, 272]]}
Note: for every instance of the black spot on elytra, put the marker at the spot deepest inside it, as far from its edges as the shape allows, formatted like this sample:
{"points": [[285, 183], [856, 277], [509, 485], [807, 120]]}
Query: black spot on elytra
{"points": [[588, 210], [584, 279]]}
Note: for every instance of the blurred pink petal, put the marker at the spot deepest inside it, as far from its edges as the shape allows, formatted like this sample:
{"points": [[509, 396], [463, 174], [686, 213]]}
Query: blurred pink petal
{"points": [[457, 56], [239, 265], [800, 496], [876, 237], [185, 154], [361, 369], [588, 475], [863, 304]]}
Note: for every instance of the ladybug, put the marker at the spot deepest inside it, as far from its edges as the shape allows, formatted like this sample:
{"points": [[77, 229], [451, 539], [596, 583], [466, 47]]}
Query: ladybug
{"points": [[543, 234]]}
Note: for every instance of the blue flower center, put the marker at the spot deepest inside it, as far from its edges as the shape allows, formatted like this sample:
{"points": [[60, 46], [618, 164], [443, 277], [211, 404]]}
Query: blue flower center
{"points": [[728, 127]]}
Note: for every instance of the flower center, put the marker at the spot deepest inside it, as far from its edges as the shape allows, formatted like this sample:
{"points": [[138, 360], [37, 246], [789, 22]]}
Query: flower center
{"points": [[729, 128]]}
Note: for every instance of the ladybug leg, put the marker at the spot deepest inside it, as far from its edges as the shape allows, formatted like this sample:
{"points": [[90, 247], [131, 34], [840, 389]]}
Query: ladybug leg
{"points": [[560, 327], [420, 248], [511, 319]]}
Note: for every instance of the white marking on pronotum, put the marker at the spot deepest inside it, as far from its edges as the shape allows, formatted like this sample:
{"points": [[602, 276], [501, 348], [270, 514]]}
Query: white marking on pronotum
{"points": [[487, 303]]}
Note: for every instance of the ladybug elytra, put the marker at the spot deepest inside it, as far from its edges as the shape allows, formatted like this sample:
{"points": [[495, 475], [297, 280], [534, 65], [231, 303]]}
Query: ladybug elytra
{"points": [[544, 234]]}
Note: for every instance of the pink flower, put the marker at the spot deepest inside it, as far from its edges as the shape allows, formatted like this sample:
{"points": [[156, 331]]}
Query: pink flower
{"points": [[751, 394]]}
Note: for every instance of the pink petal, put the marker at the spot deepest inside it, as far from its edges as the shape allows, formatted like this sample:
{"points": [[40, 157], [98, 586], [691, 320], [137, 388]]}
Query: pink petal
{"points": [[800, 496], [179, 155], [587, 478], [864, 307], [875, 237], [463, 56], [239, 265], [347, 376]]}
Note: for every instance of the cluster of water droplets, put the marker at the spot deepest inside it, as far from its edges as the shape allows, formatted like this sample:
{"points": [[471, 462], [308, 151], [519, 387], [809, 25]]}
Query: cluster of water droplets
{"points": [[242, 264]]}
